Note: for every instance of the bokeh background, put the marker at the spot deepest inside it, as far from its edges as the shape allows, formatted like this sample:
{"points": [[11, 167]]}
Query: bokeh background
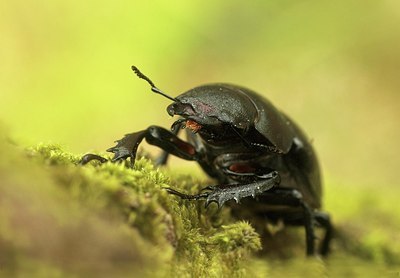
{"points": [[332, 66]]}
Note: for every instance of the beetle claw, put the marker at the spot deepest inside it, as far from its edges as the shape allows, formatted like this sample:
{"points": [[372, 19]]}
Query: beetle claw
{"points": [[89, 157]]}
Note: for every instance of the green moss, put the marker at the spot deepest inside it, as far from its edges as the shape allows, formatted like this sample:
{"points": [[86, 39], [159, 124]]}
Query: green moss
{"points": [[109, 219], [60, 219]]}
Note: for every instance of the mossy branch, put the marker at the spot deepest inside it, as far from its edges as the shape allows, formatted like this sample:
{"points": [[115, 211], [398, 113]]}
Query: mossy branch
{"points": [[61, 219]]}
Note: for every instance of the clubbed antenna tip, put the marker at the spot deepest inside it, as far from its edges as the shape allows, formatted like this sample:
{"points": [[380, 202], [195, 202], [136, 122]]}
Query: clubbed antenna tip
{"points": [[153, 86], [142, 76]]}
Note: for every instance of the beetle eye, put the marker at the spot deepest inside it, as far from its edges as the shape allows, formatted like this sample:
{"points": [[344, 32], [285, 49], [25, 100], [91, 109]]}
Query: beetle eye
{"points": [[178, 108], [171, 110]]}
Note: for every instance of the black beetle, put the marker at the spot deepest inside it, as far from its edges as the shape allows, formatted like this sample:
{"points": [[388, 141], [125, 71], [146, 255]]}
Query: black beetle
{"points": [[252, 149]]}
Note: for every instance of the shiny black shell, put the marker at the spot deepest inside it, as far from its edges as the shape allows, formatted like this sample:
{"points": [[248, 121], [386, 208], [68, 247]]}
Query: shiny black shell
{"points": [[262, 122]]}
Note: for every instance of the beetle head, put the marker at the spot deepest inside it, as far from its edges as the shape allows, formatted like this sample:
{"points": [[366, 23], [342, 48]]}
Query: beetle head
{"points": [[215, 106], [222, 111]]}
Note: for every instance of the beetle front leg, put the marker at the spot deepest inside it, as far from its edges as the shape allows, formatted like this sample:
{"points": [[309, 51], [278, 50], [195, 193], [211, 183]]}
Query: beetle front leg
{"points": [[154, 135], [89, 157], [126, 147], [157, 136]]}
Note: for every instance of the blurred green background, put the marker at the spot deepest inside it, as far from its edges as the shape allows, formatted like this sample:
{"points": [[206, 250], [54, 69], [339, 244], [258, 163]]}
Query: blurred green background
{"points": [[332, 66]]}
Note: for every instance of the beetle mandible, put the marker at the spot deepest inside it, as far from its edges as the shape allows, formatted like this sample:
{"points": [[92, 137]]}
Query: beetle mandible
{"points": [[251, 148]]}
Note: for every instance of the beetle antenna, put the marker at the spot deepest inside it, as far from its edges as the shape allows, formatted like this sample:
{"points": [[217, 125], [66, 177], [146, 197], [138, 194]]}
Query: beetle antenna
{"points": [[153, 86]]}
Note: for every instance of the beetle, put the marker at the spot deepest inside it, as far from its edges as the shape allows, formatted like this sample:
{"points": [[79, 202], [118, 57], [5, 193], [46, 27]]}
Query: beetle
{"points": [[258, 155]]}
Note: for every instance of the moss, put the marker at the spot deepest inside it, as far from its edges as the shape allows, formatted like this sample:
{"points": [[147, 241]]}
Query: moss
{"points": [[62, 219], [59, 219]]}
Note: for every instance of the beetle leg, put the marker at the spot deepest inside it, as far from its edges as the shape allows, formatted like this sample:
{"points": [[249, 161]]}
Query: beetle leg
{"points": [[258, 174], [187, 196], [293, 198], [126, 147], [222, 193], [323, 219], [157, 136], [89, 157], [272, 149]]}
